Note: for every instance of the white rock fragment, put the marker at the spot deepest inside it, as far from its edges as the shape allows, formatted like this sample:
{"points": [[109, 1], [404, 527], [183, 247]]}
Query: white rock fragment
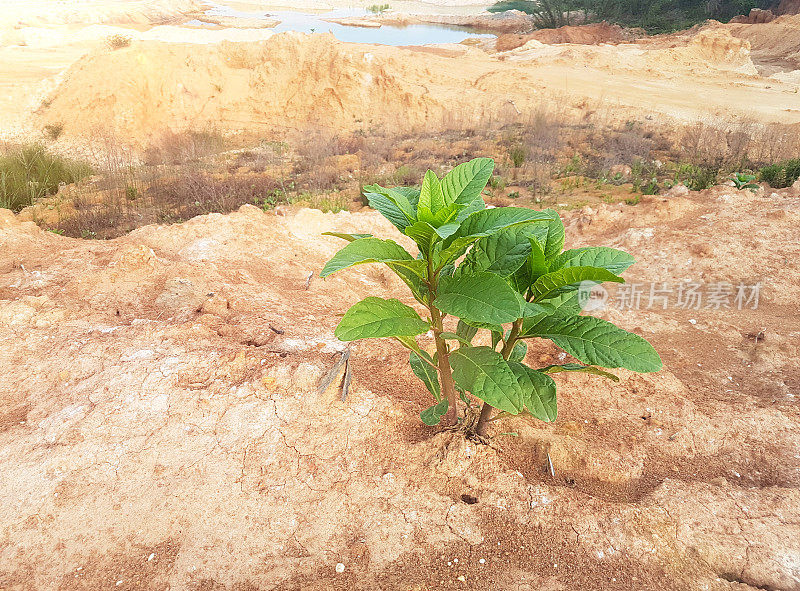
{"points": [[340, 568]]}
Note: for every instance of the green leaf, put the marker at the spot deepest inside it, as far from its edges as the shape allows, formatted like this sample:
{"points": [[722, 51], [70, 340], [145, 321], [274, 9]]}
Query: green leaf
{"points": [[393, 204], [377, 318], [431, 199], [466, 181], [372, 250], [564, 304], [483, 297], [424, 235], [409, 343], [485, 374], [497, 336], [534, 267], [501, 253], [538, 392], [411, 274], [431, 416], [610, 259], [348, 237], [452, 336], [426, 373], [466, 331], [485, 223], [532, 310], [536, 263], [595, 342], [576, 367], [518, 352], [550, 284], [551, 235]]}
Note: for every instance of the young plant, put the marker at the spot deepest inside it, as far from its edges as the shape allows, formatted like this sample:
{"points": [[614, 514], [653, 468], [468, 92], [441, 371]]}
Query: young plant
{"points": [[742, 180], [497, 270]]}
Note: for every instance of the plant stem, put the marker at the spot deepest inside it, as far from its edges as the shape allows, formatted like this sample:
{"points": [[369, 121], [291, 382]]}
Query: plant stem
{"points": [[450, 418], [508, 347], [445, 372]]}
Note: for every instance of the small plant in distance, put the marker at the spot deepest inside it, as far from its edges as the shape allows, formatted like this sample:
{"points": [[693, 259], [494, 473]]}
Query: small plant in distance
{"points": [[498, 270], [742, 180], [118, 41]]}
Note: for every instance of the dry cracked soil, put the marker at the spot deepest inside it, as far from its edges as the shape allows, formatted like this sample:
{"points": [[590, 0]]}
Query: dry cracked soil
{"points": [[161, 425]]}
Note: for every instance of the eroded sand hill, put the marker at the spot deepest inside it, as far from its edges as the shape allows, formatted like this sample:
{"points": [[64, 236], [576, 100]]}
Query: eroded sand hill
{"points": [[161, 428], [296, 80]]}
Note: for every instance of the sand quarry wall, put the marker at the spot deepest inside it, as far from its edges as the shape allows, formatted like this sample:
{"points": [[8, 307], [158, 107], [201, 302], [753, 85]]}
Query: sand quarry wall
{"points": [[295, 80]]}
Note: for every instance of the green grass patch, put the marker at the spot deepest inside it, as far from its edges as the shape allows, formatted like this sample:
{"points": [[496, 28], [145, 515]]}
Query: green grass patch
{"points": [[31, 172], [781, 175]]}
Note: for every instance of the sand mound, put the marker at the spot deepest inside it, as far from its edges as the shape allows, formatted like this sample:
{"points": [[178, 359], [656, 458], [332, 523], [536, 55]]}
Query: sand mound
{"points": [[291, 79], [719, 49], [161, 426], [583, 34], [775, 46], [86, 12], [294, 80]]}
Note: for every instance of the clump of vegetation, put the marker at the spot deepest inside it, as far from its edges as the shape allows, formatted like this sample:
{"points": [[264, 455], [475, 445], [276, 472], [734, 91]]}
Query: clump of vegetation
{"points": [[781, 175], [517, 154], [31, 172], [742, 180], [118, 41], [378, 8], [498, 270], [54, 130], [655, 16]]}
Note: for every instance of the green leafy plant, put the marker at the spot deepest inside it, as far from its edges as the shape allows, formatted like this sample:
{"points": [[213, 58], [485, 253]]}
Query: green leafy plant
{"points": [[499, 270], [781, 175], [742, 180], [378, 8]]}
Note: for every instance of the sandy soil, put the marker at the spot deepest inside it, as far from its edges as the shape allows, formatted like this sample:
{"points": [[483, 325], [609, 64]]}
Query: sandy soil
{"points": [[294, 80], [161, 426], [52, 71]]}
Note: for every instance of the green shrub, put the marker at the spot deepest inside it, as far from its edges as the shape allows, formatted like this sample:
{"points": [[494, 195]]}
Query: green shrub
{"points": [[513, 272], [31, 172], [526, 6], [701, 177], [378, 8], [656, 16], [781, 175]]}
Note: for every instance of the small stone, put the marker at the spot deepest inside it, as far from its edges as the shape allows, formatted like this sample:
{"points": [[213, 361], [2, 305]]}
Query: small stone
{"points": [[462, 578], [340, 568]]}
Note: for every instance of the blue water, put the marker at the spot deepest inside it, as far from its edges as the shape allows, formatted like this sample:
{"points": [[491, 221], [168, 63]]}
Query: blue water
{"points": [[386, 35]]}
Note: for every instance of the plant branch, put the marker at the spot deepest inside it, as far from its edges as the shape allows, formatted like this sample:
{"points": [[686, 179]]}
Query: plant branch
{"points": [[486, 410]]}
